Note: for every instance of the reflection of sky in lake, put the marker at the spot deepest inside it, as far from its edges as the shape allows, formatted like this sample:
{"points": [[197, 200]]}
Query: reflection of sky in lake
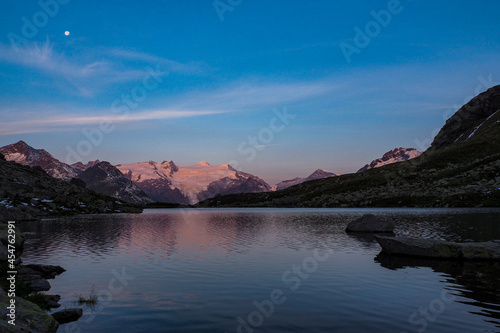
{"points": [[198, 270]]}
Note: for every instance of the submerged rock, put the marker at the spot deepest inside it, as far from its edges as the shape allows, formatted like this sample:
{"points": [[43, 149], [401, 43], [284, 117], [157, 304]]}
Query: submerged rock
{"points": [[430, 248], [370, 223], [68, 315]]}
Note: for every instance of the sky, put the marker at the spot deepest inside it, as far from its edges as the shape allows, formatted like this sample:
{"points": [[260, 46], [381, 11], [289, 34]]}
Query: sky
{"points": [[274, 88]]}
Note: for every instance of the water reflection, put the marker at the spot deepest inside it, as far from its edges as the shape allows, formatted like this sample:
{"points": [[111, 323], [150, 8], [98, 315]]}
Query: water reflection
{"points": [[476, 283], [83, 236], [197, 270]]}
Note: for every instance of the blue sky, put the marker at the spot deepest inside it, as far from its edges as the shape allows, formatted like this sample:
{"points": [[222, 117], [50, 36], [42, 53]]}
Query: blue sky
{"points": [[277, 89]]}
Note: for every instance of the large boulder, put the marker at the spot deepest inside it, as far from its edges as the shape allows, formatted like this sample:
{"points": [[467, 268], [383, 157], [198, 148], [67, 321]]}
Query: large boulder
{"points": [[370, 223], [29, 317], [68, 315], [431, 248]]}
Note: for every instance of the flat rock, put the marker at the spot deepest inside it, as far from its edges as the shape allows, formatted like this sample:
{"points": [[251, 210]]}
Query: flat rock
{"points": [[46, 271], [33, 279], [68, 315], [431, 248], [370, 223]]}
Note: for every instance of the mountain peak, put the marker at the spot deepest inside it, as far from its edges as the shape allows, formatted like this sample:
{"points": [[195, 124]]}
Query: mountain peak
{"points": [[392, 156], [105, 178], [21, 143], [22, 153], [469, 118], [318, 174], [79, 166], [203, 163]]}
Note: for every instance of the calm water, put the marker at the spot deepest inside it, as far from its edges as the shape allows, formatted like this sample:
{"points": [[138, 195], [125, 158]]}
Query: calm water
{"points": [[267, 270]]}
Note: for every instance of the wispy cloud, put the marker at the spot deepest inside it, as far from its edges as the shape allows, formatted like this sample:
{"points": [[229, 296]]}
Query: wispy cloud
{"points": [[246, 96], [251, 95], [168, 64], [64, 122], [107, 66]]}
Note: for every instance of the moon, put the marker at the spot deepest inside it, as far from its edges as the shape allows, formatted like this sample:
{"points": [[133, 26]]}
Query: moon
{"points": [[66, 33]]}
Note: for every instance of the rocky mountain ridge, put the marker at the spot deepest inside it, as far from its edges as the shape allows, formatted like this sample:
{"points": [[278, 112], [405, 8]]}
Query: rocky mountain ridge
{"points": [[470, 120], [392, 156], [104, 178], [27, 193], [24, 154]]}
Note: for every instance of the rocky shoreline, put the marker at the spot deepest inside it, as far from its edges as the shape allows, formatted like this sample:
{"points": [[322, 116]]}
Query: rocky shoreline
{"points": [[22, 294]]}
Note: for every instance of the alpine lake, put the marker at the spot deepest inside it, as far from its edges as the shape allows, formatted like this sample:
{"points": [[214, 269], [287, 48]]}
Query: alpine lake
{"points": [[266, 270]]}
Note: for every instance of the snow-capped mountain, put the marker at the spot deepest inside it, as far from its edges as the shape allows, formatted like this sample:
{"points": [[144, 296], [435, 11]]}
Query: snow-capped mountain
{"points": [[107, 179], [24, 154], [318, 174], [393, 156], [167, 182]]}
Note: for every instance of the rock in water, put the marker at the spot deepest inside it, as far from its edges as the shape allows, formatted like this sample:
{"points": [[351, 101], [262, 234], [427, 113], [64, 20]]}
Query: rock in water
{"points": [[52, 300], [46, 271], [33, 279], [68, 315], [431, 248], [370, 223]]}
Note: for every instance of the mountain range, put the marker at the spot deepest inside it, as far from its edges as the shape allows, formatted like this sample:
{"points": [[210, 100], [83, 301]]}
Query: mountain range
{"points": [[167, 182], [461, 168], [146, 182]]}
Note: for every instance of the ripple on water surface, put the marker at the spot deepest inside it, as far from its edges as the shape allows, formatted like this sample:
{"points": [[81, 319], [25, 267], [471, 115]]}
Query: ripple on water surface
{"points": [[201, 270]]}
